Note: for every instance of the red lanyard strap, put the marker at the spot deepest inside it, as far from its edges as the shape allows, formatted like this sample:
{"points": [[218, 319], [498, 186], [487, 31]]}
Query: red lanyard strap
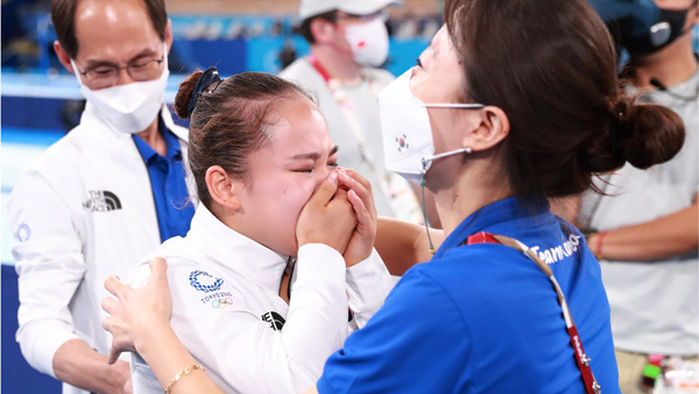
{"points": [[400, 195], [591, 385], [319, 67]]}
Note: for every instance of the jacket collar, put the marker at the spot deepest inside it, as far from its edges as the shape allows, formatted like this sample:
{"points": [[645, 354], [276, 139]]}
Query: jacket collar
{"points": [[497, 218], [181, 132], [171, 142], [232, 251]]}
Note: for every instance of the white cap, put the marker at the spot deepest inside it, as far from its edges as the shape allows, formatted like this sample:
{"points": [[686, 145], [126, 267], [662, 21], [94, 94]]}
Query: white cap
{"points": [[357, 7]]}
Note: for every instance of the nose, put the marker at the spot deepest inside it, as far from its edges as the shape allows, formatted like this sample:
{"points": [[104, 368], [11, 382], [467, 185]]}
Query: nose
{"points": [[321, 176], [123, 77], [324, 173]]}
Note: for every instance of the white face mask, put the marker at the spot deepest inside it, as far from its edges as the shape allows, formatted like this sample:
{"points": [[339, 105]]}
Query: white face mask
{"points": [[129, 108], [369, 42], [407, 134]]}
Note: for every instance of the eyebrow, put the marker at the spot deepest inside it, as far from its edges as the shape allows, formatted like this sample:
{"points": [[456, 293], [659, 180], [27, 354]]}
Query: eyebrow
{"points": [[313, 155], [96, 63]]}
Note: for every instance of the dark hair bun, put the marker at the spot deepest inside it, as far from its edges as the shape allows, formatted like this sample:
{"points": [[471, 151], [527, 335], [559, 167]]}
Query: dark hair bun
{"points": [[655, 135], [641, 134], [184, 94]]}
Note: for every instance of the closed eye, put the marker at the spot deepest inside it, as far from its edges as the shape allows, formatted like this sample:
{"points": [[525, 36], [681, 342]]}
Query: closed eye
{"points": [[102, 71]]}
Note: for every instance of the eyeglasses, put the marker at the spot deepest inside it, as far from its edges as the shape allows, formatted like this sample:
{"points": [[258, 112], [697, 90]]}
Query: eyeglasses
{"points": [[105, 75]]}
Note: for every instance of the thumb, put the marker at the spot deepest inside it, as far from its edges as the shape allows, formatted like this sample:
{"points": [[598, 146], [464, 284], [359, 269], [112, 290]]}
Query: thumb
{"points": [[325, 191], [158, 270], [113, 355]]}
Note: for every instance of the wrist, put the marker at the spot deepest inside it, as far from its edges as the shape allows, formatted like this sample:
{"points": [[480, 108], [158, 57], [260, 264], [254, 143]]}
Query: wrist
{"points": [[147, 339], [351, 261], [118, 373], [599, 238], [77, 364]]}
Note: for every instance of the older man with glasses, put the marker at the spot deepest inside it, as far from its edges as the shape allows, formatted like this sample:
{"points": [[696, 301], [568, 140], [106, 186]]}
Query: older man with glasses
{"points": [[103, 196]]}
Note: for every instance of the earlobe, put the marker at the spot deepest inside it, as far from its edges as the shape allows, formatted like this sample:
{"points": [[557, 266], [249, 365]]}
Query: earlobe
{"points": [[222, 188]]}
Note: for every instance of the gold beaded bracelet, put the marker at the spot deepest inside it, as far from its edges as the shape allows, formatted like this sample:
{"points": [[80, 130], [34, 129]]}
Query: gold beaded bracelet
{"points": [[181, 375]]}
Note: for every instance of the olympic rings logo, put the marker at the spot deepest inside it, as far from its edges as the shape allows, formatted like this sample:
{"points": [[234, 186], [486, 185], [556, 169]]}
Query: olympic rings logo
{"points": [[221, 303]]}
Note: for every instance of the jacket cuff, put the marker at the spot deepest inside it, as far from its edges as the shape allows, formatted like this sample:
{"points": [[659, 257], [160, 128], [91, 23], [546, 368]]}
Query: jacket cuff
{"points": [[368, 285], [318, 261], [39, 342]]}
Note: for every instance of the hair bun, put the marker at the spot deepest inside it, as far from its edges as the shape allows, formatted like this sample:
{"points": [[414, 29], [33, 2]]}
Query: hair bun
{"points": [[641, 134], [184, 94], [649, 134]]}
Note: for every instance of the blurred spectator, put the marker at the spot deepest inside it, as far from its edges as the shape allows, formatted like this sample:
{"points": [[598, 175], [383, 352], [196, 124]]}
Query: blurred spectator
{"points": [[276, 29], [644, 228], [287, 55], [348, 42]]}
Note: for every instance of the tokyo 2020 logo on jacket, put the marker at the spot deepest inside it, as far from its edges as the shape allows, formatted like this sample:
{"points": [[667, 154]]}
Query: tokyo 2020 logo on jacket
{"points": [[205, 282]]}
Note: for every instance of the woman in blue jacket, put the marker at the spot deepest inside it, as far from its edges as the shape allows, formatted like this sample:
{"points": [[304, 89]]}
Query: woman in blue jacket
{"points": [[513, 103]]}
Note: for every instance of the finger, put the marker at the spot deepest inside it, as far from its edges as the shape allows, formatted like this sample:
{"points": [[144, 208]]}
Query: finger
{"points": [[340, 194], [158, 271], [358, 177], [113, 355], [344, 179], [361, 187], [325, 192], [109, 305], [340, 203], [108, 324], [360, 210], [114, 286], [158, 266], [352, 184]]}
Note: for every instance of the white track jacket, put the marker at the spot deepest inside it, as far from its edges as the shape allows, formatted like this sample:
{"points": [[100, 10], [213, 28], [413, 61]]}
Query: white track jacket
{"points": [[84, 210], [227, 311]]}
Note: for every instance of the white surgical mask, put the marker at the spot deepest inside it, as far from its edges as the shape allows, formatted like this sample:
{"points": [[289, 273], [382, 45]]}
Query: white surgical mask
{"points": [[130, 108], [369, 42], [407, 134]]}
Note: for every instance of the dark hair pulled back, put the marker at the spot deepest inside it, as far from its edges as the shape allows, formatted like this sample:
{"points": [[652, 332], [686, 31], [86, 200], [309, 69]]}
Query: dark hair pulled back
{"points": [[229, 121], [551, 66], [641, 134]]}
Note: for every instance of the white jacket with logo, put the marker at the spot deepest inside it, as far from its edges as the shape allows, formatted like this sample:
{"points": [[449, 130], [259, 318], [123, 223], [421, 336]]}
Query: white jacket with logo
{"points": [[84, 210], [227, 312]]}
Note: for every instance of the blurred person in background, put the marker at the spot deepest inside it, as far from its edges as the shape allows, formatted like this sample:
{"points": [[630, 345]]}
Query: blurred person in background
{"points": [[103, 196], [644, 227], [349, 41]]}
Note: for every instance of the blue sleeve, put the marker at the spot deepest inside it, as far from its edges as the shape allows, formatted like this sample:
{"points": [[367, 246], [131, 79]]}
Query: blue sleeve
{"points": [[417, 342]]}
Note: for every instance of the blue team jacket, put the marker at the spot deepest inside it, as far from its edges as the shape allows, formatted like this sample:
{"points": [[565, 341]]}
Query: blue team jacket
{"points": [[483, 318]]}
